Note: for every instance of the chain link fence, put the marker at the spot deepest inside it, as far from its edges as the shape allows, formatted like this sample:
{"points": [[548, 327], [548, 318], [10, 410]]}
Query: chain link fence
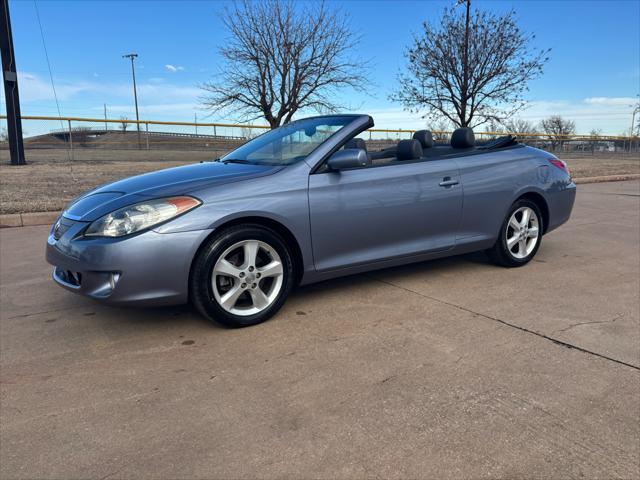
{"points": [[53, 139], [66, 156]]}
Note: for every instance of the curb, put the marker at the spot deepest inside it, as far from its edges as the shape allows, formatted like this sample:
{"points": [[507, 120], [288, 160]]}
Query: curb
{"points": [[608, 178], [47, 218], [28, 219]]}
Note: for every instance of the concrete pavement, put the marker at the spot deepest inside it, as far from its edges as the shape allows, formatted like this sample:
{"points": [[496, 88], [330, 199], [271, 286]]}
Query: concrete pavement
{"points": [[446, 369]]}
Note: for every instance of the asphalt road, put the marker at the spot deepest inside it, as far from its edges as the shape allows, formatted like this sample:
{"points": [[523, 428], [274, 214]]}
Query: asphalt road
{"points": [[446, 369]]}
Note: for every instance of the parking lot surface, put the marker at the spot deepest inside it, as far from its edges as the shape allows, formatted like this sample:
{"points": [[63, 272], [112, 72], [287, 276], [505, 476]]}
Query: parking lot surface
{"points": [[445, 369]]}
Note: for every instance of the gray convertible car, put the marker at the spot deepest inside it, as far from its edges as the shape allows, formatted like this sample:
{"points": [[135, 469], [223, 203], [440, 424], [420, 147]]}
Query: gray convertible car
{"points": [[303, 203]]}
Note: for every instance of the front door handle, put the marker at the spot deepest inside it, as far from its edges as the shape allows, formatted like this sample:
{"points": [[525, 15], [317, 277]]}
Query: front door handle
{"points": [[448, 182]]}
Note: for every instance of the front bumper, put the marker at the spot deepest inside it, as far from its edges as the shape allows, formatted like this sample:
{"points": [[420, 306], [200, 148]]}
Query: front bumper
{"points": [[149, 268]]}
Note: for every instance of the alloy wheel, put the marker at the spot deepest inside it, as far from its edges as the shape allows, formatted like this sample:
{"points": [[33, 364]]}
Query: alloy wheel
{"points": [[247, 278], [523, 232]]}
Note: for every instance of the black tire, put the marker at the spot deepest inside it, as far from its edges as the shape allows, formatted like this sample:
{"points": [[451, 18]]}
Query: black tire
{"points": [[500, 253], [200, 284]]}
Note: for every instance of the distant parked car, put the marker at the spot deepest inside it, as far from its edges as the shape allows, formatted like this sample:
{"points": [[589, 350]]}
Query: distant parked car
{"points": [[303, 203]]}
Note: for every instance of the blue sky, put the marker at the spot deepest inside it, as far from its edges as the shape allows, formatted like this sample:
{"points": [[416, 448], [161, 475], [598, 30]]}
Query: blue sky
{"points": [[593, 76]]}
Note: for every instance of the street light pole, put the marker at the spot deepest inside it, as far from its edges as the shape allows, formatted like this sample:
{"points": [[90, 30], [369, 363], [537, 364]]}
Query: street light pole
{"points": [[132, 57]]}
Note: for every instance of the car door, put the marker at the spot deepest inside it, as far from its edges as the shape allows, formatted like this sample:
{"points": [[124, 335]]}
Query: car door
{"points": [[380, 212]]}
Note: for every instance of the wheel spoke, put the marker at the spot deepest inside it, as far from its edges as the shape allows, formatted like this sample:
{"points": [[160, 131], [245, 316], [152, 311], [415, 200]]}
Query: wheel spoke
{"points": [[229, 292], [513, 223], [230, 298], [250, 253], [512, 241], [526, 214], [272, 269], [533, 232], [260, 300], [522, 248], [224, 267]]}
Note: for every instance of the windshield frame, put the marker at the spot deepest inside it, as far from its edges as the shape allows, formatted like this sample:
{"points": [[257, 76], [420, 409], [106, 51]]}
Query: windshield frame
{"points": [[232, 156]]}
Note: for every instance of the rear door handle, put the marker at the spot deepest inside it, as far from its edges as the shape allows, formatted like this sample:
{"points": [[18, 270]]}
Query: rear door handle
{"points": [[448, 182]]}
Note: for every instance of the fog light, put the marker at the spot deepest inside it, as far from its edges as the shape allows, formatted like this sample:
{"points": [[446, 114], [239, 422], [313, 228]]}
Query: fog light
{"points": [[114, 279]]}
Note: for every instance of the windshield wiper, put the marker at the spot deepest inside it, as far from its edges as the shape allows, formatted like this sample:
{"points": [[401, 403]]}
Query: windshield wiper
{"points": [[236, 160]]}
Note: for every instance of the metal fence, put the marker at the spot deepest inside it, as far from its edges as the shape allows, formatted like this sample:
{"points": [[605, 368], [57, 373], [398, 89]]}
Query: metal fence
{"points": [[51, 139]]}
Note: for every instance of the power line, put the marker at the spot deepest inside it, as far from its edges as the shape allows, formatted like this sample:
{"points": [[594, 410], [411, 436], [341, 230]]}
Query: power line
{"points": [[46, 55]]}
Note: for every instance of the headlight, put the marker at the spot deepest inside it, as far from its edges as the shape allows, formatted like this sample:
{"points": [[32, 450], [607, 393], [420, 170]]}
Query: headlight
{"points": [[140, 216]]}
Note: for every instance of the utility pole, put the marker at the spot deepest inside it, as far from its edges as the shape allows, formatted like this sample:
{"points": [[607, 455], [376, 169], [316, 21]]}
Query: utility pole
{"points": [[132, 57], [195, 120], [10, 76], [106, 127]]}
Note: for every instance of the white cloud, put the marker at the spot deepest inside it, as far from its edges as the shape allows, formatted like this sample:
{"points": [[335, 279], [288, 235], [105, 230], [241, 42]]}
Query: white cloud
{"points": [[173, 101], [612, 115], [35, 88], [174, 68], [614, 101], [175, 110]]}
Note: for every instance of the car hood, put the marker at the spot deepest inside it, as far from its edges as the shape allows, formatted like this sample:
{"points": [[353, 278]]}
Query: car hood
{"points": [[163, 183]]}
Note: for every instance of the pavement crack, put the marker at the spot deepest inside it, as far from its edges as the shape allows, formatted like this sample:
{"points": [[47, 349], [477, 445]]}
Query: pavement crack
{"points": [[512, 325], [617, 317], [53, 310], [115, 472]]}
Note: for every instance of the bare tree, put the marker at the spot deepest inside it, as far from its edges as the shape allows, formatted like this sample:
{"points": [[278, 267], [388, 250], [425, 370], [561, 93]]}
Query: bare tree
{"points": [[4, 136], [523, 129], [470, 67], [519, 126], [557, 129], [594, 140], [493, 129], [281, 58], [124, 123], [440, 130], [81, 135]]}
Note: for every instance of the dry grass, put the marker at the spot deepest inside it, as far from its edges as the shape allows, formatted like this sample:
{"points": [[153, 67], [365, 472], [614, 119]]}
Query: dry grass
{"points": [[49, 181]]}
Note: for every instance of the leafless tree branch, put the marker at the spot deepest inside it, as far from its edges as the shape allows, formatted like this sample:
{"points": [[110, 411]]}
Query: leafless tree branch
{"points": [[472, 82], [281, 58]]}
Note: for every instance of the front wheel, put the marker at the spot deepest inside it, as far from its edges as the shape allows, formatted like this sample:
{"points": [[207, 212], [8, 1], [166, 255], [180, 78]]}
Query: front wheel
{"points": [[242, 276], [519, 237]]}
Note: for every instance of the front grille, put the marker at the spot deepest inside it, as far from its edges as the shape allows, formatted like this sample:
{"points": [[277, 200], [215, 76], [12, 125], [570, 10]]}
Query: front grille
{"points": [[62, 225]]}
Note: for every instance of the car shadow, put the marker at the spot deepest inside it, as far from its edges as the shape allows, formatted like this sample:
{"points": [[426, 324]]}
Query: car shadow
{"points": [[135, 318], [432, 268]]}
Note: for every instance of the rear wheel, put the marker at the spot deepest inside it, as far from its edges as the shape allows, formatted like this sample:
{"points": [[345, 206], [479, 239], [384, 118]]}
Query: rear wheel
{"points": [[520, 235], [242, 276]]}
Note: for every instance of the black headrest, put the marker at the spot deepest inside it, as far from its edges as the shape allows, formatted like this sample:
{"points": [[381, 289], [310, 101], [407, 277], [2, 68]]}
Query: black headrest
{"points": [[463, 138], [409, 150], [424, 137], [356, 143]]}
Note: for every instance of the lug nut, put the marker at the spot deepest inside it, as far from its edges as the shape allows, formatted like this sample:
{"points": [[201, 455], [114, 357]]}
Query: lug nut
{"points": [[251, 269], [258, 275], [241, 274], [253, 285], [244, 285]]}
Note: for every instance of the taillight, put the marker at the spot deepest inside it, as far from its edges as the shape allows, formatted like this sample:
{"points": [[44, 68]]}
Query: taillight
{"points": [[560, 164]]}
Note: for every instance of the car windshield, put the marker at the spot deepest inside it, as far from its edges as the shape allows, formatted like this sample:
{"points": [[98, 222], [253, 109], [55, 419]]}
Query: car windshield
{"points": [[288, 144]]}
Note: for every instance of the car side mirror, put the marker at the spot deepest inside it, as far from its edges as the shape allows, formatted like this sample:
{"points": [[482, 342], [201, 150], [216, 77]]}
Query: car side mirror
{"points": [[350, 158]]}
